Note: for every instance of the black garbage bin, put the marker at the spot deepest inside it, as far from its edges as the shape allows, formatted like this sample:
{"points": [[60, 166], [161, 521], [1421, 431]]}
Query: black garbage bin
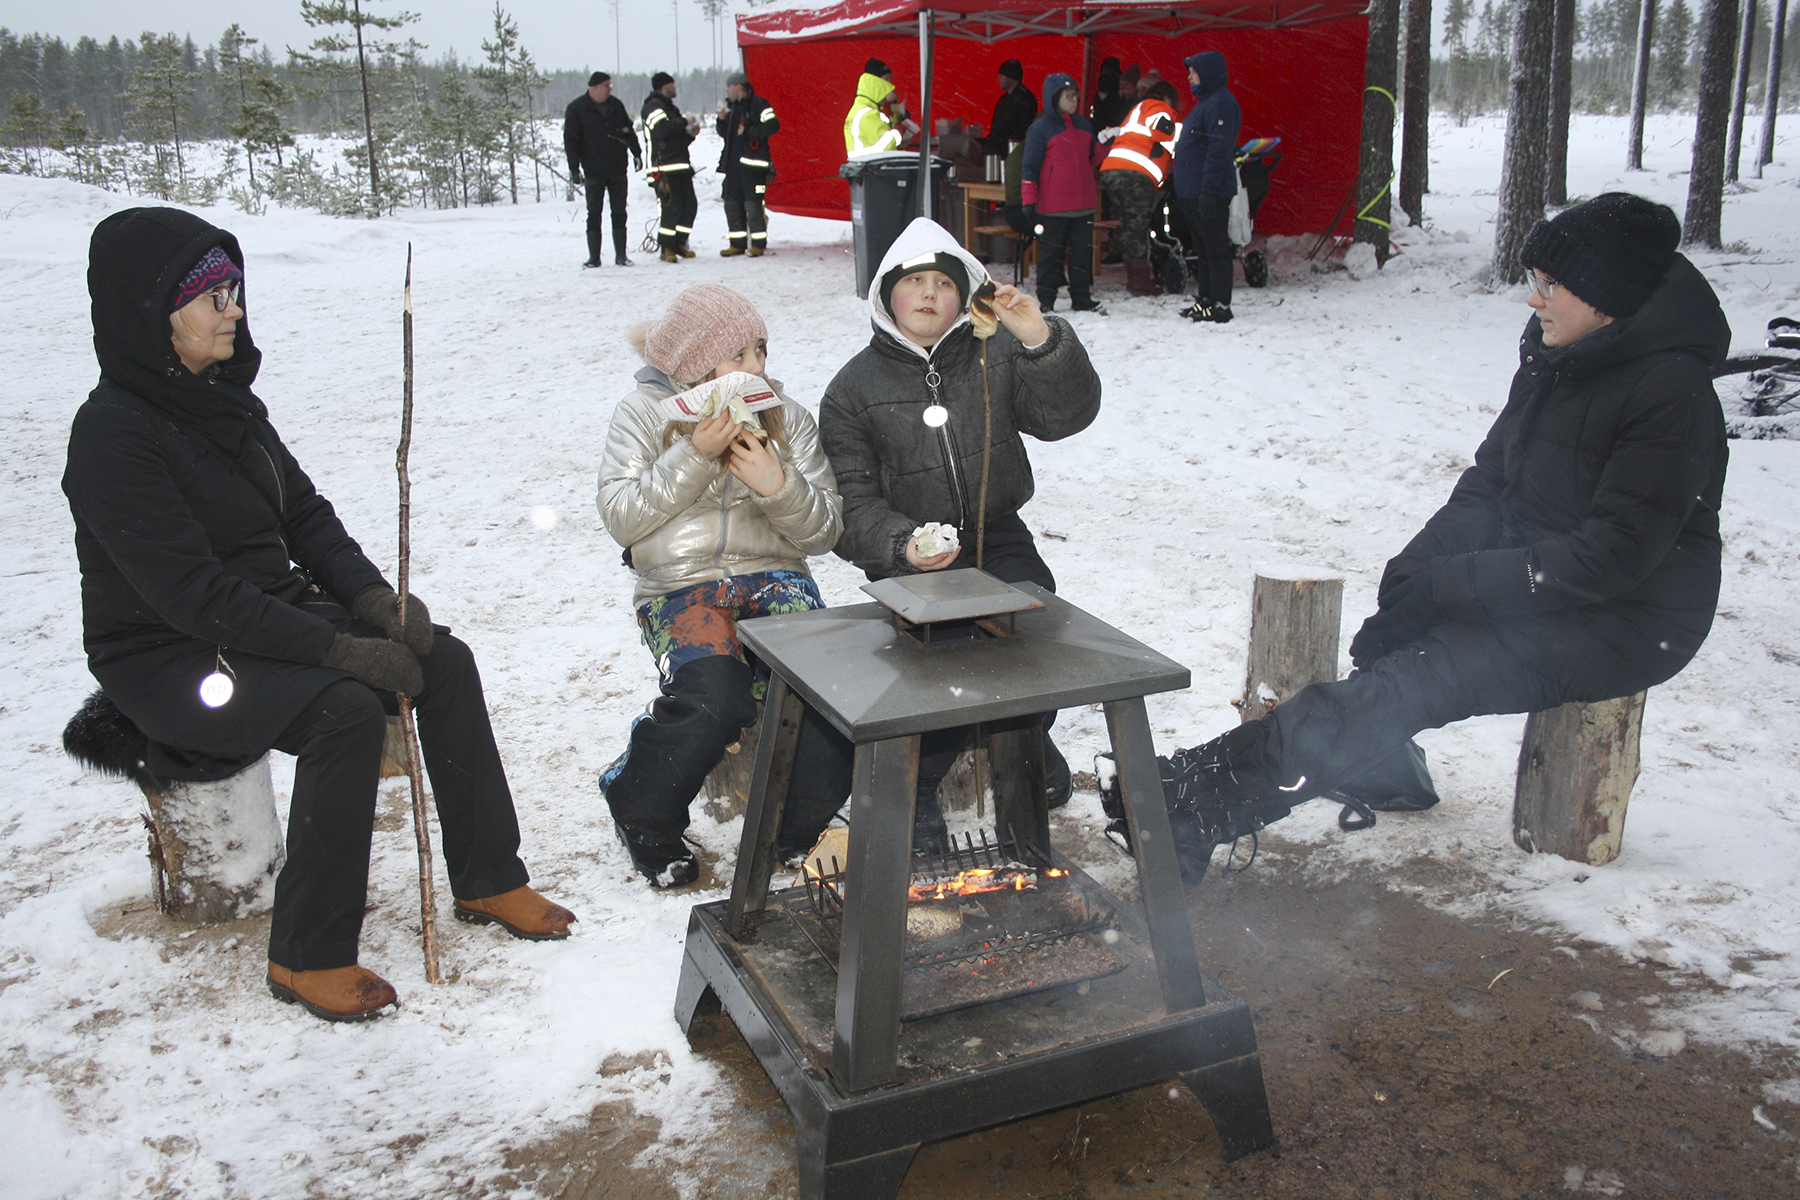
{"points": [[884, 192]]}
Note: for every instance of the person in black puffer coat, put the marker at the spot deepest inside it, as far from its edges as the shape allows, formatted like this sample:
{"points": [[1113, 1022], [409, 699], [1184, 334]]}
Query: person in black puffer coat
{"points": [[597, 136], [1577, 559], [1206, 180], [204, 547], [903, 424]]}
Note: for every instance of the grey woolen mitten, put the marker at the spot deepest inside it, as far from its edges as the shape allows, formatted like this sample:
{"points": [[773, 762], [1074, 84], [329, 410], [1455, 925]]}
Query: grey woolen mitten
{"points": [[378, 605], [386, 665]]}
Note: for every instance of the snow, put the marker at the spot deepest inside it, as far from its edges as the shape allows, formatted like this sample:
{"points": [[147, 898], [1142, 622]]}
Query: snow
{"points": [[1313, 434]]}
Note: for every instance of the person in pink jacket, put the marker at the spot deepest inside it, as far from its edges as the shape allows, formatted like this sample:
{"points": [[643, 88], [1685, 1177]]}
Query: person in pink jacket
{"points": [[1060, 195]]}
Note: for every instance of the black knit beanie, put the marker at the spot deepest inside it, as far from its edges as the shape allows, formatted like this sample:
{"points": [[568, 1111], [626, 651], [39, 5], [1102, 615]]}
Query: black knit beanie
{"points": [[944, 261], [598, 78], [1611, 251], [1013, 70], [876, 67], [660, 80]]}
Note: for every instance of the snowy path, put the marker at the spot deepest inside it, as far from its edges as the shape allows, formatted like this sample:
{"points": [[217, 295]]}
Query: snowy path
{"points": [[1318, 430]]}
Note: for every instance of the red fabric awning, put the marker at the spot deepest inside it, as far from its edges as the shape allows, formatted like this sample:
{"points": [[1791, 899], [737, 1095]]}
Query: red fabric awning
{"points": [[989, 22]]}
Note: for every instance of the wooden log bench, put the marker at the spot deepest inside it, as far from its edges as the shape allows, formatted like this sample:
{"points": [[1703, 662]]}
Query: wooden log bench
{"points": [[1293, 639], [1577, 766]]}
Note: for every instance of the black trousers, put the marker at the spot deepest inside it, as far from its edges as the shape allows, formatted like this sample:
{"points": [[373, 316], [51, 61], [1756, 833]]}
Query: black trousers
{"points": [[320, 893], [1071, 238], [1334, 732], [745, 219], [703, 708], [599, 190], [678, 210], [1207, 218]]}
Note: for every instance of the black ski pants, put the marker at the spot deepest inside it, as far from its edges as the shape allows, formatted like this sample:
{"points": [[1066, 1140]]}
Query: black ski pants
{"points": [[1207, 217], [1333, 732], [745, 220], [679, 207], [703, 708], [336, 740], [1070, 238], [599, 190]]}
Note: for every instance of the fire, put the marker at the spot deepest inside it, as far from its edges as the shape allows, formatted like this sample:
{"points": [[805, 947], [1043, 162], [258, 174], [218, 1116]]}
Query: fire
{"points": [[984, 879]]}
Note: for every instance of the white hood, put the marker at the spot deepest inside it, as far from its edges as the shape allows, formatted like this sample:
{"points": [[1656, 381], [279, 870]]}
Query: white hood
{"points": [[922, 237]]}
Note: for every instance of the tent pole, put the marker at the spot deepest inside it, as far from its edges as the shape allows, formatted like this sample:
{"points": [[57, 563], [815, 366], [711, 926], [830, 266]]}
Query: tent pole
{"points": [[1087, 65], [925, 48]]}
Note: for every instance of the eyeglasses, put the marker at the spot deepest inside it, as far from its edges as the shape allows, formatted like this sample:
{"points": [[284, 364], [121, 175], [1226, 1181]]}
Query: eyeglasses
{"points": [[226, 295], [1542, 286]]}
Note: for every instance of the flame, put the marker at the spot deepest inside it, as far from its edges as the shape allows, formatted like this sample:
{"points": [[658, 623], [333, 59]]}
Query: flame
{"points": [[982, 879]]}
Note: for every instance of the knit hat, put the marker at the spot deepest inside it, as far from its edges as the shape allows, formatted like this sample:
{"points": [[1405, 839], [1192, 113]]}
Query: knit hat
{"points": [[660, 80], [737, 77], [1109, 81], [1611, 251], [705, 325], [1012, 69], [1109, 63], [1132, 74], [598, 78], [215, 267], [876, 67], [943, 260]]}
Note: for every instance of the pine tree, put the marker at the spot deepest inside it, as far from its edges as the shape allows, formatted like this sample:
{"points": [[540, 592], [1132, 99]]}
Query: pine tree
{"points": [[251, 99], [331, 14], [1415, 133], [1521, 200], [509, 78], [1672, 80], [1706, 178], [28, 128], [161, 91]]}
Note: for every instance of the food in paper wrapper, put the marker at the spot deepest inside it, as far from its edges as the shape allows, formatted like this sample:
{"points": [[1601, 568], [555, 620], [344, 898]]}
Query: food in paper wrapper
{"points": [[935, 539], [739, 392]]}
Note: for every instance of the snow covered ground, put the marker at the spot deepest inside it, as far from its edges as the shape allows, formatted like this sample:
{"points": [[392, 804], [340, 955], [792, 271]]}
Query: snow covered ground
{"points": [[1317, 431]]}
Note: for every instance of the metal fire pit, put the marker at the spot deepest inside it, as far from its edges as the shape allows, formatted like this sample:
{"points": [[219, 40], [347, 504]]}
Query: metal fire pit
{"points": [[867, 1081]]}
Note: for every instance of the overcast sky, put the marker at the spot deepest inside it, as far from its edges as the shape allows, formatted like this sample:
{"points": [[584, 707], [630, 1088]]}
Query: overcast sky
{"points": [[561, 34]]}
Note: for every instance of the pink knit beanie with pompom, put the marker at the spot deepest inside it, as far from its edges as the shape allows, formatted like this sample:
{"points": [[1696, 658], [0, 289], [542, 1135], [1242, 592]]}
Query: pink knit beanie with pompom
{"points": [[705, 325]]}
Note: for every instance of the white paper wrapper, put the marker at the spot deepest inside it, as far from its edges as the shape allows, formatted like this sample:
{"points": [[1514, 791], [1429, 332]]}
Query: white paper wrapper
{"points": [[740, 391], [935, 539]]}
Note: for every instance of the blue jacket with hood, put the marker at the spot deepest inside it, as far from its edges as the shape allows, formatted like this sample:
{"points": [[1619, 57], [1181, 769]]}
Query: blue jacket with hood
{"points": [[1206, 156]]}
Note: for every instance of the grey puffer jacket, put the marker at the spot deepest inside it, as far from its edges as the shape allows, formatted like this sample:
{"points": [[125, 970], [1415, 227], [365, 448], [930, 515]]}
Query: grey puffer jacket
{"points": [[895, 471], [688, 520]]}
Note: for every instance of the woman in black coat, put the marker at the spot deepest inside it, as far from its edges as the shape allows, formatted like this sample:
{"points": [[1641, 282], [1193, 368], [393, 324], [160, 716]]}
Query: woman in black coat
{"points": [[1577, 559], [205, 549]]}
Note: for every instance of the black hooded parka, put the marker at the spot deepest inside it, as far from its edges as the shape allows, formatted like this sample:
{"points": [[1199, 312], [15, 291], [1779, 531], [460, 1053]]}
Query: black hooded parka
{"points": [[197, 533]]}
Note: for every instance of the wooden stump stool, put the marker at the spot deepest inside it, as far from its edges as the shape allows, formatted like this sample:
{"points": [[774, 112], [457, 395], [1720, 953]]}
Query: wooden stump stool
{"points": [[1577, 765], [1293, 640], [216, 847]]}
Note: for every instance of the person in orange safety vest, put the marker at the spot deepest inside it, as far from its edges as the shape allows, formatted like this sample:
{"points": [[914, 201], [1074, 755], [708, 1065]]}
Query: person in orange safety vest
{"points": [[1137, 162]]}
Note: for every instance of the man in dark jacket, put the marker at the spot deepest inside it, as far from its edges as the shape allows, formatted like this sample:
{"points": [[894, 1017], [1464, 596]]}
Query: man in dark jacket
{"points": [[1577, 559], [905, 427], [1206, 180], [597, 137], [204, 548], [670, 135], [746, 122], [1013, 111]]}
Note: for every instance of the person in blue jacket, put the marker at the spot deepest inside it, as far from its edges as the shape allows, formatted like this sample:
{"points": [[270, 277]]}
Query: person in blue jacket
{"points": [[1206, 180]]}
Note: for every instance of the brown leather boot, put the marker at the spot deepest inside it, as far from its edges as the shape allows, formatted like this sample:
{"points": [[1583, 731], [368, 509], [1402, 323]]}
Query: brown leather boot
{"points": [[337, 994], [521, 912]]}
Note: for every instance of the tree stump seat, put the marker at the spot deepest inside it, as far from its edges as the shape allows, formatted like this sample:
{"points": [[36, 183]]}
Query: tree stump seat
{"points": [[1577, 765]]}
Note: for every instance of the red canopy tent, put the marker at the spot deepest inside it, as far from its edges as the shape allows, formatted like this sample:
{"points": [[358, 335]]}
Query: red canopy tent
{"points": [[1296, 69]]}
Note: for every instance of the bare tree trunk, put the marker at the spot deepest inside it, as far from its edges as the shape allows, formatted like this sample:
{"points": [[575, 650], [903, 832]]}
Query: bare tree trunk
{"points": [[1415, 132], [1521, 203], [1640, 86], [1374, 197], [362, 70], [1740, 90], [1772, 89], [1706, 179], [1562, 65]]}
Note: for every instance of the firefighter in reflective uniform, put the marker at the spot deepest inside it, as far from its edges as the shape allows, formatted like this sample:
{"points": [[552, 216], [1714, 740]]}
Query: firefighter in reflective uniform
{"points": [[746, 122], [671, 174], [877, 121], [1136, 166]]}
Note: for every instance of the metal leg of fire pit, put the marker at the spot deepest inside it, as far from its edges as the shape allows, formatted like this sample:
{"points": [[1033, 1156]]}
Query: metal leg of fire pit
{"points": [[1159, 875], [782, 714], [865, 1049], [1233, 1094], [1021, 809], [875, 1175]]}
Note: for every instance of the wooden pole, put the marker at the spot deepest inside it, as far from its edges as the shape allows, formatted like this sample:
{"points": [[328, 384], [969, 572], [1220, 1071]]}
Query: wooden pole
{"points": [[1293, 640], [421, 823], [1577, 765]]}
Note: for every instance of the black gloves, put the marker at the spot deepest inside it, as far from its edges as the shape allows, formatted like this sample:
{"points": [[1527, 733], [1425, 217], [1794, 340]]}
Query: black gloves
{"points": [[1406, 613], [1031, 225], [378, 605], [386, 665]]}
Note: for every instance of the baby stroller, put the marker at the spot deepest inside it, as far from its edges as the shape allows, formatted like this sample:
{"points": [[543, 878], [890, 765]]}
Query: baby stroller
{"points": [[1173, 254]]}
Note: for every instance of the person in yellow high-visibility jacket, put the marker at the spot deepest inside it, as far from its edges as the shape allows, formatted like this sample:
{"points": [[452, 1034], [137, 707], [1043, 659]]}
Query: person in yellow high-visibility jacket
{"points": [[877, 120]]}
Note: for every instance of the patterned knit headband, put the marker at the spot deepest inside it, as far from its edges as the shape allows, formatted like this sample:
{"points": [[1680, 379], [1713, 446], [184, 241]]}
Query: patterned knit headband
{"points": [[215, 267]]}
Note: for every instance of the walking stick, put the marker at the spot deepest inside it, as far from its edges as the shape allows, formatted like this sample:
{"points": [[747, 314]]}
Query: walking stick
{"points": [[421, 826]]}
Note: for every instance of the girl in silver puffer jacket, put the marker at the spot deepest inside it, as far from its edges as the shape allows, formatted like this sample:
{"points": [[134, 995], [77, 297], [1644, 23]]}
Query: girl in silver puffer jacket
{"points": [[717, 523]]}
